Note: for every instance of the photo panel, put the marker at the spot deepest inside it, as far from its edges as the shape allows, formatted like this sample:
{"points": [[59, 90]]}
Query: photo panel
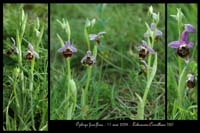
{"points": [[182, 65], [25, 67], [107, 61]]}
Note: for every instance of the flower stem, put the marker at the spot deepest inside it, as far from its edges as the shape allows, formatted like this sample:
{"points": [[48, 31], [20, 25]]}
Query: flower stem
{"points": [[180, 65], [31, 93], [15, 92], [68, 69], [150, 77], [68, 88], [68, 79], [89, 71]]}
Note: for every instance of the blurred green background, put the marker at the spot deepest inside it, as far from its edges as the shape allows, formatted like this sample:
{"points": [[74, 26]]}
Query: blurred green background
{"points": [[190, 17], [114, 79]]}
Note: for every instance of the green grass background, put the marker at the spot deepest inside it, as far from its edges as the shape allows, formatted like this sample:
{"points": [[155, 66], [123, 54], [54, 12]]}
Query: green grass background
{"points": [[190, 13], [115, 79], [14, 120]]}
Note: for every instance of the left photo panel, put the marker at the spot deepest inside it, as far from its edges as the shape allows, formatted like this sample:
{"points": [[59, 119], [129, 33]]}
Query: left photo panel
{"points": [[25, 67]]}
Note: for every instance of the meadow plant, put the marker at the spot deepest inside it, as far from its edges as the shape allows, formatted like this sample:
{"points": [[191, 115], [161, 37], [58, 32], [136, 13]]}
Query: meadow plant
{"points": [[89, 60], [150, 67], [25, 98], [186, 69], [67, 51]]}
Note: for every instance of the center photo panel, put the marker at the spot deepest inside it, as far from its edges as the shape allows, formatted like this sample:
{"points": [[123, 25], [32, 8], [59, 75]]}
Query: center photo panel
{"points": [[107, 61]]}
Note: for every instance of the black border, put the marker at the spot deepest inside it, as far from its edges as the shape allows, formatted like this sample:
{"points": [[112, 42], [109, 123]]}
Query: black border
{"points": [[198, 36], [1, 118], [198, 62]]}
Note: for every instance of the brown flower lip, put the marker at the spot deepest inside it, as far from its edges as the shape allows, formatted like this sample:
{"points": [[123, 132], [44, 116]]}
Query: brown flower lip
{"points": [[144, 50], [13, 49], [67, 50], [30, 53], [183, 51], [190, 81], [88, 59]]}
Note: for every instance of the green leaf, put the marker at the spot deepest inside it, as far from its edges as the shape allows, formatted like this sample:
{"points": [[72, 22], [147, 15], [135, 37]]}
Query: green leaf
{"points": [[154, 68], [87, 23], [73, 87], [60, 39], [174, 16], [69, 112], [140, 108], [193, 67], [60, 23]]}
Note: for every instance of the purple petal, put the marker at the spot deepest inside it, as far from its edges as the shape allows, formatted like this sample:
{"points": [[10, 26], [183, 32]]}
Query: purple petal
{"points": [[30, 47], [73, 49], [158, 32], [150, 50], [155, 16], [144, 43], [89, 53], [184, 36], [60, 50], [101, 33], [93, 59], [190, 76], [152, 26], [190, 44], [93, 36], [189, 28], [67, 44], [175, 44], [36, 54]]}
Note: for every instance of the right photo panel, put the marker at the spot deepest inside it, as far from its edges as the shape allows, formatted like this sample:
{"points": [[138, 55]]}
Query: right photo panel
{"points": [[182, 66]]}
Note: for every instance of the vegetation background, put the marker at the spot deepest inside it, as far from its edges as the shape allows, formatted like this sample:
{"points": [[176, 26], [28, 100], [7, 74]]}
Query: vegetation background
{"points": [[115, 78], [14, 119], [189, 109]]}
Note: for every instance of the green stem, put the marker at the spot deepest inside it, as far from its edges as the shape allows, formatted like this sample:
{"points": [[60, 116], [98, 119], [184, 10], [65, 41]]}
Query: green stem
{"points": [[180, 65], [150, 77], [89, 71], [68, 69], [15, 93], [31, 92], [68, 79], [146, 91], [68, 87]]}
